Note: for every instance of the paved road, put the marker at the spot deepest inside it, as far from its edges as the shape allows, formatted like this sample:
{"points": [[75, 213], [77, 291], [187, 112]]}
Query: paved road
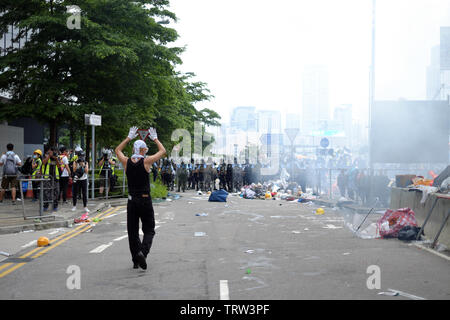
{"points": [[249, 250]]}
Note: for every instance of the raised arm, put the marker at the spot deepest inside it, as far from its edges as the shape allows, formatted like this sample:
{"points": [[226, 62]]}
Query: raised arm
{"points": [[161, 150], [122, 158]]}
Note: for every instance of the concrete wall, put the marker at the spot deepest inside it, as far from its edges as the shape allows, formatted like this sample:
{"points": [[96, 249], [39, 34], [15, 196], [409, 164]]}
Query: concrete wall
{"points": [[14, 135], [402, 198]]}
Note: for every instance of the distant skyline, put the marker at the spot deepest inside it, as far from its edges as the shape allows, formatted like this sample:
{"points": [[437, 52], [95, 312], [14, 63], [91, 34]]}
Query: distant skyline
{"points": [[253, 52]]}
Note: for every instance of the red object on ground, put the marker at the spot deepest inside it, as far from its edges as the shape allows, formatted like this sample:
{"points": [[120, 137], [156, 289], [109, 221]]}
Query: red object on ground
{"points": [[397, 220], [29, 193]]}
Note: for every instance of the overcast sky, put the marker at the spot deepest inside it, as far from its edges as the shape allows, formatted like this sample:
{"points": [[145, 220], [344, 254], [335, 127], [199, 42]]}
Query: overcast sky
{"points": [[252, 52]]}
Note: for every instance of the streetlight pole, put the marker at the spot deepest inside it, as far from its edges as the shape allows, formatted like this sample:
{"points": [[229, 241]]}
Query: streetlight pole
{"points": [[372, 95]]}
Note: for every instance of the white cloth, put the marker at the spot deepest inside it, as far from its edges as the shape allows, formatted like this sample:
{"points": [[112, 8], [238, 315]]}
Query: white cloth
{"points": [[138, 145], [64, 162]]}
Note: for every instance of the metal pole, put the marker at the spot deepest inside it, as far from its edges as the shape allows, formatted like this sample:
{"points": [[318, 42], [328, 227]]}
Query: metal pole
{"points": [[93, 161], [372, 95], [107, 183], [41, 198]]}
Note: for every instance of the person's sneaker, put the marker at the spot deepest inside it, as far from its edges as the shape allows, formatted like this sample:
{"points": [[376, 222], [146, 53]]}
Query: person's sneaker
{"points": [[141, 260], [13, 203], [86, 209], [135, 265], [74, 208]]}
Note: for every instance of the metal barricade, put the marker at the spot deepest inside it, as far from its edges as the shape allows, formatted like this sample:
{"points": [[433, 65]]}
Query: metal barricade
{"points": [[41, 196]]}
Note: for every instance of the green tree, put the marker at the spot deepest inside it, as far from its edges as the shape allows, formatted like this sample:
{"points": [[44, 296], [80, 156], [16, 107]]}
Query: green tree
{"points": [[119, 64]]}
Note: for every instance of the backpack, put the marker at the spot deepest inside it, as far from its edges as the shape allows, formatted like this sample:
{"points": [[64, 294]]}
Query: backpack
{"points": [[10, 168], [218, 196], [27, 168]]}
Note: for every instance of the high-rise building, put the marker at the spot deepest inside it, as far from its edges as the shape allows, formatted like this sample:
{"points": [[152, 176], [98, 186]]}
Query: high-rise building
{"points": [[244, 118], [445, 62], [434, 75], [316, 106]]}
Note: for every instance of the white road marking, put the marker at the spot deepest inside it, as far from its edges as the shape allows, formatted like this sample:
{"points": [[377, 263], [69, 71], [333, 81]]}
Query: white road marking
{"points": [[101, 248], [29, 244], [406, 295], [224, 292], [121, 238]]}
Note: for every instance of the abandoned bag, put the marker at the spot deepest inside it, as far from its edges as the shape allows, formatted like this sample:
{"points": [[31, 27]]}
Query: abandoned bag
{"points": [[408, 233], [397, 220], [218, 196]]}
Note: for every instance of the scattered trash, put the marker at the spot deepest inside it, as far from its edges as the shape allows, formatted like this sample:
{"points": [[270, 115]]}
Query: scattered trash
{"points": [[199, 192], [331, 226], [346, 253], [168, 200], [199, 234], [37, 220], [296, 232], [248, 271], [320, 211], [306, 229], [190, 202], [406, 295], [201, 214], [6, 254], [218, 196], [392, 294], [250, 251], [43, 242]]}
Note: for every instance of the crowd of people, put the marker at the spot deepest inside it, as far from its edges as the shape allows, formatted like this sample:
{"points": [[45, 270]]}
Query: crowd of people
{"points": [[60, 168]]}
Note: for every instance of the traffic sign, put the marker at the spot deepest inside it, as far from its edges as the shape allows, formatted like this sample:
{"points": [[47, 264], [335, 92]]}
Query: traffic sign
{"points": [[324, 143]]}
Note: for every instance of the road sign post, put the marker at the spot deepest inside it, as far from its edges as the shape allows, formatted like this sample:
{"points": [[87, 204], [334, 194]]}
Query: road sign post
{"points": [[94, 121]]}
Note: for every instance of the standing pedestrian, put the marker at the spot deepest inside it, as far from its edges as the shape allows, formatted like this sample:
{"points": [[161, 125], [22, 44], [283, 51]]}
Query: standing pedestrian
{"points": [[65, 174], [10, 162], [139, 207], [50, 170], [36, 172], [80, 180]]}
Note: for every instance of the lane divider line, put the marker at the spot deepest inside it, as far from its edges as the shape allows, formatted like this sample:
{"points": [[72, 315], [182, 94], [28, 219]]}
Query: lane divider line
{"points": [[101, 248], [12, 269], [63, 238]]}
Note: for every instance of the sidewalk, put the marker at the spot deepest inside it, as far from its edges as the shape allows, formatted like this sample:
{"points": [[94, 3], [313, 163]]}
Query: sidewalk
{"points": [[12, 218], [346, 205]]}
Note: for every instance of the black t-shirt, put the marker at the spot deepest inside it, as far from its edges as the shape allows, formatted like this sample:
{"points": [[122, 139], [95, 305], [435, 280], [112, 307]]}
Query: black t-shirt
{"points": [[138, 178]]}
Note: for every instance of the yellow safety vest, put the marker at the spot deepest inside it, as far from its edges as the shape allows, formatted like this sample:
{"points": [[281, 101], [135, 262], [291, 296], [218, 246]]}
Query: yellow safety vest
{"points": [[38, 168], [46, 171]]}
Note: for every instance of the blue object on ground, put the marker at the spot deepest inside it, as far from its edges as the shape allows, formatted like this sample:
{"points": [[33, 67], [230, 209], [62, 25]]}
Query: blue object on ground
{"points": [[218, 196]]}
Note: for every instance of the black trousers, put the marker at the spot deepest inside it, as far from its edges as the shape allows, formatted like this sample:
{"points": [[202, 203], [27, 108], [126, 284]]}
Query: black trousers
{"points": [[63, 184], [140, 209], [80, 185]]}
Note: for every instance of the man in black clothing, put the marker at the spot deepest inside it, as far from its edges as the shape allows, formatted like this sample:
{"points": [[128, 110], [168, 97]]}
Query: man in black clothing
{"points": [[140, 205]]}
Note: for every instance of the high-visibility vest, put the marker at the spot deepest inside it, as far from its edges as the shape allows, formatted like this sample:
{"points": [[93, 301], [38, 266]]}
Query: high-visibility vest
{"points": [[46, 170], [38, 168], [113, 167]]}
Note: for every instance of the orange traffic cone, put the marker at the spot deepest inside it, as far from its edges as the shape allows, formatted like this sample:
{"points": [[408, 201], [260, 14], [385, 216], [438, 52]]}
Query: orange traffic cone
{"points": [[29, 194]]}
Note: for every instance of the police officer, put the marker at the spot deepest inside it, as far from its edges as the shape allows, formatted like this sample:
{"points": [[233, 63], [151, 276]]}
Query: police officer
{"points": [[182, 176], [222, 171], [229, 177], [140, 207]]}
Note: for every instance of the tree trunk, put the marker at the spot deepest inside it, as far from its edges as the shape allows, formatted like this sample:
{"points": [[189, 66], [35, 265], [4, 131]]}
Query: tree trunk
{"points": [[53, 132]]}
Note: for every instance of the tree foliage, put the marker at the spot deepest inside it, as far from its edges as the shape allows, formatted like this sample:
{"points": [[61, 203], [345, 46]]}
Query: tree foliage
{"points": [[119, 64]]}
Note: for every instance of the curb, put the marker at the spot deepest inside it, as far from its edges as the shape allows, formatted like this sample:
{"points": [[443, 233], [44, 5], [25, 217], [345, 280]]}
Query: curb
{"points": [[64, 223]]}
